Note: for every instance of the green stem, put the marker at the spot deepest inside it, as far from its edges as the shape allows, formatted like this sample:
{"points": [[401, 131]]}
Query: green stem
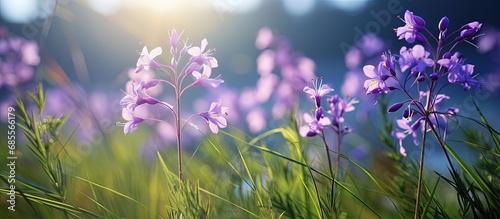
{"points": [[329, 167], [421, 168]]}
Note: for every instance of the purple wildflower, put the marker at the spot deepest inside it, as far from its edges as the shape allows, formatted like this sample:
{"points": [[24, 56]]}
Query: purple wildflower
{"points": [[205, 80], [201, 57], [314, 126], [407, 130], [134, 98], [458, 72], [338, 106], [318, 91], [147, 59], [215, 116], [469, 30], [412, 29], [132, 121], [415, 58], [376, 84]]}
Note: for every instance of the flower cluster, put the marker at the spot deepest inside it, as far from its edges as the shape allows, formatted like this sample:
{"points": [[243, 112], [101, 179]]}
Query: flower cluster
{"points": [[187, 61], [18, 56], [283, 73], [318, 122], [429, 61], [18, 59]]}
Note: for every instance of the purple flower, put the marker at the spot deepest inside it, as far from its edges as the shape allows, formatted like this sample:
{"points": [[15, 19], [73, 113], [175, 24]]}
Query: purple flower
{"points": [[458, 72], [470, 29], [205, 80], [376, 84], [215, 116], [201, 57], [147, 59], [318, 91], [264, 38], [370, 44], [338, 106], [314, 125], [174, 41], [133, 97], [132, 121], [414, 58], [265, 62], [407, 130], [414, 25], [388, 63]]}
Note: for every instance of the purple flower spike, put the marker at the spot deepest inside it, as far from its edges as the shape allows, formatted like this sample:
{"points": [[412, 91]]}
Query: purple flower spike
{"points": [[132, 121], [376, 84], [205, 80], [147, 59], [414, 25], [318, 91], [313, 126], [215, 116]]}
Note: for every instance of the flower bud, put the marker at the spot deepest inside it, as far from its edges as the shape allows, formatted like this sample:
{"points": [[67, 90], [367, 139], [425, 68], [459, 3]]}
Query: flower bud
{"points": [[419, 38], [419, 20], [406, 113], [149, 84], [420, 78], [434, 76], [443, 23], [384, 77], [151, 101], [467, 33], [395, 107], [319, 113], [447, 55]]}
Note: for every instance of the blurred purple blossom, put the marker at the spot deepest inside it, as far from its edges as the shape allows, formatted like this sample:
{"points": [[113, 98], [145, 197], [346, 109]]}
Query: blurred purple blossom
{"points": [[18, 59]]}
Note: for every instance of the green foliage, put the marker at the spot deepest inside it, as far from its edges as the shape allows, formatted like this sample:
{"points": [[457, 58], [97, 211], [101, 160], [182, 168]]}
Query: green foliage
{"points": [[277, 174]]}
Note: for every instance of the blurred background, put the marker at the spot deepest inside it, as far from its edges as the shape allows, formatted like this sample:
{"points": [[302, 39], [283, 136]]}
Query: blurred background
{"points": [[93, 43]]}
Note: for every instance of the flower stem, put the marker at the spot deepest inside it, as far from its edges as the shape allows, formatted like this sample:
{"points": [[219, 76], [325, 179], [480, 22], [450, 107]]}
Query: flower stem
{"points": [[178, 132], [327, 150], [421, 167]]}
